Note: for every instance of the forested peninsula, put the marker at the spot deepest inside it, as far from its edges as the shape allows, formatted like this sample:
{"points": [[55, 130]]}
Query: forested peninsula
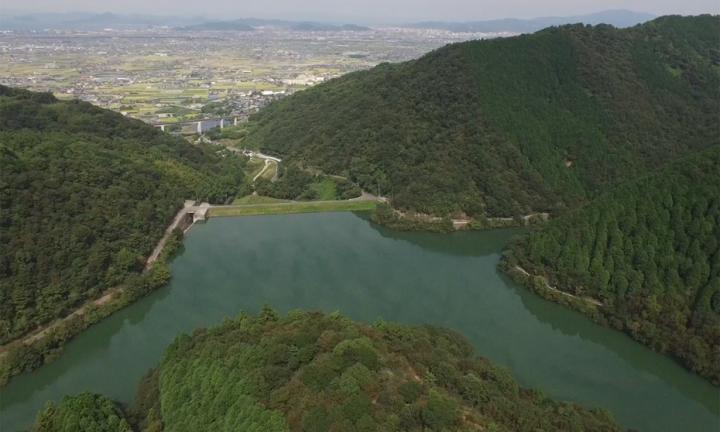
{"points": [[320, 373]]}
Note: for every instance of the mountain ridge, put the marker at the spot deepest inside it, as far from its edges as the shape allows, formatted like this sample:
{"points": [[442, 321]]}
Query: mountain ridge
{"points": [[510, 126], [618, 18], [97, 21]]}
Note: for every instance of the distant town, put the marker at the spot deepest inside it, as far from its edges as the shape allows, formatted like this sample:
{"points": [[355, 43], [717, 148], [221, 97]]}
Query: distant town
{"points": [[169, 76]]}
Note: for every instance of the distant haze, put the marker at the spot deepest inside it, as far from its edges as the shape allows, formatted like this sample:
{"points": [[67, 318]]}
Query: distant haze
{"points": [[363, 11]]}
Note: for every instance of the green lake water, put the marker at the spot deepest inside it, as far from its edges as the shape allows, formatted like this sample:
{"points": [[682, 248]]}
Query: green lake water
{"points": [[341, 262]]}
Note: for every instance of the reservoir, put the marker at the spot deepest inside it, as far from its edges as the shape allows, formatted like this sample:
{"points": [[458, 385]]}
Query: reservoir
{"points": [[342, 262]]}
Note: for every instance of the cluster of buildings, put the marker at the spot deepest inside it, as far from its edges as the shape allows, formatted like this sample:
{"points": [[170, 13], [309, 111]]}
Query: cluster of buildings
{"points": [[168, 76]]}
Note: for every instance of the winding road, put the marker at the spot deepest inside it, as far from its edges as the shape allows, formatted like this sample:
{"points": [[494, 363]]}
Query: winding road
{"points": [[268, 162]]}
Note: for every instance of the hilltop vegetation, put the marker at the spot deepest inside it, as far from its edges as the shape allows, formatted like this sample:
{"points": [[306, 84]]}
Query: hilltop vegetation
{"points": [[85, 194], [320, 373], [650, 252], [512, 126], [85, 412], [294, 183]]}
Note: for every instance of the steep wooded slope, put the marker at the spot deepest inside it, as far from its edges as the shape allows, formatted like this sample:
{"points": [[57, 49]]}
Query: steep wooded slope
{"points": [[84, 196], [650, 252], [509, 126]]}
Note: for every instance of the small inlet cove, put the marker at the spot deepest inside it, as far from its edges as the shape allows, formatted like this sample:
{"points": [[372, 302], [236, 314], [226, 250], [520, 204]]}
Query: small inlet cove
{"points": [[342, 262]]}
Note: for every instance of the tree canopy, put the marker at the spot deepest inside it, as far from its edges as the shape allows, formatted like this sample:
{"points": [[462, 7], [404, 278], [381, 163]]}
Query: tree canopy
{"points": [[85, 412], [650, 252], [85, 194], [319, 373], [510, 126]]}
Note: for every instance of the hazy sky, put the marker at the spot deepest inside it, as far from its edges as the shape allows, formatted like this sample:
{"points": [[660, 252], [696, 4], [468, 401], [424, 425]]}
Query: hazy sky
{"points": [[364, 10]]}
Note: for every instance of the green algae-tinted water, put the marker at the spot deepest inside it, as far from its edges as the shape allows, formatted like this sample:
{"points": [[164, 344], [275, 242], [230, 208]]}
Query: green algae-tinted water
{"points": [[339, 261]]}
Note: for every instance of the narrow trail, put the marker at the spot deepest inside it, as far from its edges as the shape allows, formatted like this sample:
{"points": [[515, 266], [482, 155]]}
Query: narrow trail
{"points": [[366, 196], [527, 218], [107, 296], [463, 223], [555, 289], [168, 232], [42, 332], [268, 162]]}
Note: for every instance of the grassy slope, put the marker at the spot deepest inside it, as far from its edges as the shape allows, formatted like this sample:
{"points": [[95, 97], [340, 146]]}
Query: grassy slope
{"points": [[256, 199]]}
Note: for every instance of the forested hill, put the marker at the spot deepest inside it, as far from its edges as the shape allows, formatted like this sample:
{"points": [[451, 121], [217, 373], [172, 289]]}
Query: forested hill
{"points": [[650, 252], [509, 126], [85, 194], [321, 373]]}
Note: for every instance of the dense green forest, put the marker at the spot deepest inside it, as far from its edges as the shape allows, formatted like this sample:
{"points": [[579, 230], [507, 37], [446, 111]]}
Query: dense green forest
{"points": [[649, 251], [85, 194], [85, 412], [510, 126], [320, 373]]}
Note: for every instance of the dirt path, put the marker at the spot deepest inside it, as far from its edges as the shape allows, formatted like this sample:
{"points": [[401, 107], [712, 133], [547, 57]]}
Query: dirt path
{"points": [[555, 289], [526, 218], [367, 196], [168, 232], [40, 333], [268, 162], [107, 296], [460, 224]]}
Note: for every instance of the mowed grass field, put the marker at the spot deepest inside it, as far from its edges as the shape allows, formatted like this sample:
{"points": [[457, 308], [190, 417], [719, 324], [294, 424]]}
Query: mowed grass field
{"points": [[257, 199], [292, 207], [325, 189]]}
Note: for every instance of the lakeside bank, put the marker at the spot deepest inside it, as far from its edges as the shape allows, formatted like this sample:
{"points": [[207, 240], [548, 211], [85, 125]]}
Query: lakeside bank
{"points": [[45, 344], [341, 261]]}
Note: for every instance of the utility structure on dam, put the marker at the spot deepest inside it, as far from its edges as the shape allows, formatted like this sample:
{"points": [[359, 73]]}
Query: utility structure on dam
{"points": [[197, 213]]}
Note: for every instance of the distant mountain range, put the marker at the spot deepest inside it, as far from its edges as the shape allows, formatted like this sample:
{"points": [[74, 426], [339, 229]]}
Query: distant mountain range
{"points": [[250, 24], [238, 25], [88, 21], [91, 21], [617, 18]]}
